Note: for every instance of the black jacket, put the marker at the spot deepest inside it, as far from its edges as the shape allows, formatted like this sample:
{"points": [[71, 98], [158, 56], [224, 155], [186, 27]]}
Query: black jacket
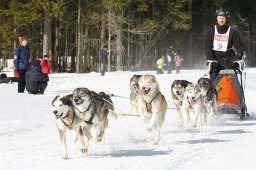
{"points": [[233, 41], [34, 76]]}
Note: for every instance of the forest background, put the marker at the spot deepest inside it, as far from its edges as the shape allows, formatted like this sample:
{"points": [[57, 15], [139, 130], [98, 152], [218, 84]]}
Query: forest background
{"points": [[137, 32]]}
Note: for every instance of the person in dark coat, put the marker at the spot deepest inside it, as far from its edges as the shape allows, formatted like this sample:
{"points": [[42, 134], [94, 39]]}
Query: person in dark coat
{"points": [[37, 62], [104, 59], [36, 81], [22, 62], [170, 59], [220, 40], [4, 78]]}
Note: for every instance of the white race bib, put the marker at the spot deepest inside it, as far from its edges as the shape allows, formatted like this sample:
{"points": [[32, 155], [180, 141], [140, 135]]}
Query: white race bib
{"points": [[220, 41]]}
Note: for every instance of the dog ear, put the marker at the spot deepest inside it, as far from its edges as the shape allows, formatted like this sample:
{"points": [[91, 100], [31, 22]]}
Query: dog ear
{"points": [[70, 97], [66, 100], [56, 97]]}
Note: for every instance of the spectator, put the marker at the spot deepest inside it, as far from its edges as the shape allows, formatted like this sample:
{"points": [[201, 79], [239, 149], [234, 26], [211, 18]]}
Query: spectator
{"points": [[177, 60], [46, 64], [21, 62], [160, 65], [170, 57], [36, 81], [37, 63], [104, 59], [4, 78]]}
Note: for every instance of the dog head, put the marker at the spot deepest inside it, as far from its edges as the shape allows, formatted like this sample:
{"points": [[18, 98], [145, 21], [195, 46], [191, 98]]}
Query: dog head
{"points": [[62, 106], [193, 92], [134, 84], [178, 88], [148, 84], [82, 97], [205, 84]]}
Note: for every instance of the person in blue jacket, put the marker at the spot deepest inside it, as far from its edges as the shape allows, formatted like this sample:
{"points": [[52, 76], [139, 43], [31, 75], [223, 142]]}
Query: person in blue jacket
{"points": [[22, 62], [36, 80]]}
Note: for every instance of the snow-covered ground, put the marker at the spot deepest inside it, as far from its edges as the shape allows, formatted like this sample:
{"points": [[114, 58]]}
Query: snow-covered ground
{"points": [[29, 137]]}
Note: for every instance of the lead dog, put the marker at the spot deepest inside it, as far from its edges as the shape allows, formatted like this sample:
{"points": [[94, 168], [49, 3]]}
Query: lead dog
{"points": [[193, 101], [177, 90], [66, 119], [152, 105], [93, 109], [209, 95]]}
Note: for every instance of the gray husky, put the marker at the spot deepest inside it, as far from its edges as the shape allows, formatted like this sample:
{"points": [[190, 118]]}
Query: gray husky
{"points": [[209, 95], [93, 109], [134, 86]]}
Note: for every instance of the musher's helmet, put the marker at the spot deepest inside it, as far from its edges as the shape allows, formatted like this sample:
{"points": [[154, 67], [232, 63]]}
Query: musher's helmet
{"points": [[222, 12]]}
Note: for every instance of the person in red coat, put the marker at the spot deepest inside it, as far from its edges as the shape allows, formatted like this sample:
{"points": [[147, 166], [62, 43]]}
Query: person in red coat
{"points": [[46, 64]]}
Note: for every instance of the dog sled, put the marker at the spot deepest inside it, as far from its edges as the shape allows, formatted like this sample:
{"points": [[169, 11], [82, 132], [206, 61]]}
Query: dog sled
{"points": [[229, 85]]}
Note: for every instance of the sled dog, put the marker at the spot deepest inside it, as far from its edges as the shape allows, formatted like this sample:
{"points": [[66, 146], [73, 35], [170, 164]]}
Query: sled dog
{"points": [[193, 101], [66, 119], [134, 86], [177, 90], [152, 105], [93, 109], [209, 96]]}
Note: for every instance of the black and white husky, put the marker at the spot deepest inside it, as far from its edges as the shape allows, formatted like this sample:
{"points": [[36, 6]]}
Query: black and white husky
{"points": [[66, 119], [178, 88]]}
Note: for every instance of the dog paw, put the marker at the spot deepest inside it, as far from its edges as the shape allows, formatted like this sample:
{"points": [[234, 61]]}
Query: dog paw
{"points": [[65, 157], [84, 150], [155, 142], [99, 138], [150, 127]]}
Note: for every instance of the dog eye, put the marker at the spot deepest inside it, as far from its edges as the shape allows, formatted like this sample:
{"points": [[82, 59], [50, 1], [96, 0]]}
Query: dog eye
{"points": [[61, 105]]}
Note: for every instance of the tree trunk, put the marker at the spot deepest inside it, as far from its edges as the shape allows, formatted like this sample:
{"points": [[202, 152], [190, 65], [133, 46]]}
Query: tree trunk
{"points": [[56, 46], [47, 33], [119, 62], [78, 57]]}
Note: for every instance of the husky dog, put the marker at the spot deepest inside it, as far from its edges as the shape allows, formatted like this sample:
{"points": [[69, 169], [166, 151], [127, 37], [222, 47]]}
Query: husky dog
{"points": [[134, 86], [178, 89], [209, 95], [193, 100], [152, 105], [93, 109], [66, 119]]}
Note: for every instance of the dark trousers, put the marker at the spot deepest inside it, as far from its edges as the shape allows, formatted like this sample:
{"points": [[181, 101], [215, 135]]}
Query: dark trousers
{"points": [[41, 88], [159, 71], [103, 69], [169, 67], [21, 82], [216, 67]]}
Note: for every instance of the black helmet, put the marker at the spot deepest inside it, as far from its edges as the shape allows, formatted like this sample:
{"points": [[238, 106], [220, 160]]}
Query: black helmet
{"points": [[222, 12]]}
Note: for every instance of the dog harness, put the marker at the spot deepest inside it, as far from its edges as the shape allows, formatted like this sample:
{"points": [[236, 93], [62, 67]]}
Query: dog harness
{"points": [[149, 106], [69, 126]]}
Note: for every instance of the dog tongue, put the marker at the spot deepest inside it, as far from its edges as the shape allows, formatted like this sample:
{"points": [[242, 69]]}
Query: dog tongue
{"points": [[142, 91]]}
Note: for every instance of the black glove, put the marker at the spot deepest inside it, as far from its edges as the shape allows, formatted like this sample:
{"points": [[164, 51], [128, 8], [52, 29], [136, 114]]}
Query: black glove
{"points": [[238, 64], [211, 63]]}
